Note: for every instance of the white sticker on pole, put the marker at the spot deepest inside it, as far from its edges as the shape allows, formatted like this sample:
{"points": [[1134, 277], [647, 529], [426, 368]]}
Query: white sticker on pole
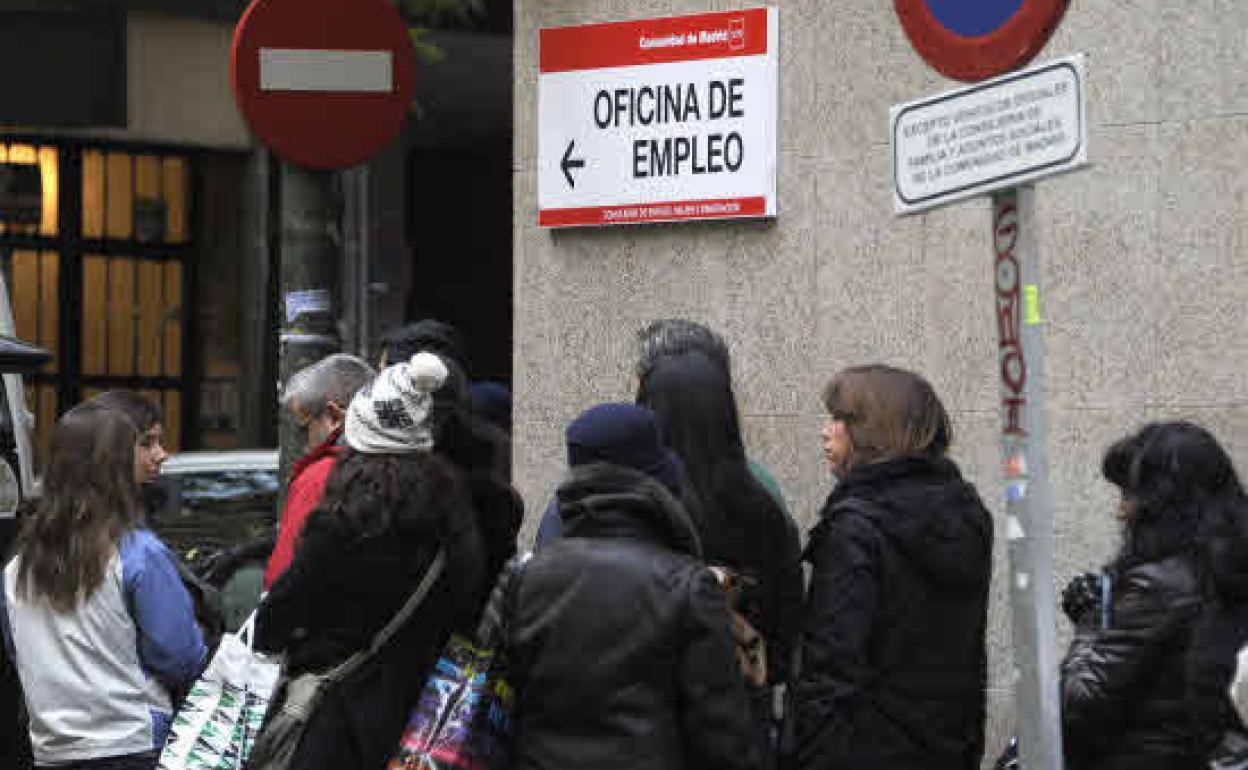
{"points": [[1000, 133], [658, 120], [306, 302], [1014, 529]]}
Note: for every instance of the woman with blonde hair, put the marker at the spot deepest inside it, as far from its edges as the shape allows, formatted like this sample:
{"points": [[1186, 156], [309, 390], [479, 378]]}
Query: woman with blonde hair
{"points": [[96, 617], [892, 655]]}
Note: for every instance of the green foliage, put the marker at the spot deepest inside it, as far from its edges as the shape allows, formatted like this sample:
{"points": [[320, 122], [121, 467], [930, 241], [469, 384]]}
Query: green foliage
{"points": [[424, 15], [426, 50]]}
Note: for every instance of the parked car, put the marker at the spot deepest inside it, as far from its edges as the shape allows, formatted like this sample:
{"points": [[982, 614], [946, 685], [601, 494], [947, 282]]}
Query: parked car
{"points": [[16, 485], [17, 471], [218, 511]]}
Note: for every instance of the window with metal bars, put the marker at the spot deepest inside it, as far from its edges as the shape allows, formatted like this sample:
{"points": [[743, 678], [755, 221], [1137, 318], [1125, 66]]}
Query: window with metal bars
{"points": [[101, 275]]}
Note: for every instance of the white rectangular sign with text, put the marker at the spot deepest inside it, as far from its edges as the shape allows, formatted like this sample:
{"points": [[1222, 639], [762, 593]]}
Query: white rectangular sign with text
{"points": [[658, 120], [1000, 133]]}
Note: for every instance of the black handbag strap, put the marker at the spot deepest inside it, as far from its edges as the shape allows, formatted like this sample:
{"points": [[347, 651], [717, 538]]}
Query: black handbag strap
{"points": [[358, 659], [492, 630]]}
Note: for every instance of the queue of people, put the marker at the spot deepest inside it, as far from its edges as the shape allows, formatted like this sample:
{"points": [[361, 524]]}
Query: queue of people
{"points": [[671, 615]]}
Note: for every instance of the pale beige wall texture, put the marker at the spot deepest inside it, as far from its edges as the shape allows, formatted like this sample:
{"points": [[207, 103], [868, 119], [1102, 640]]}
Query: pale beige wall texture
{"points": [[1145, 279], [177, 86], [179, 83]]}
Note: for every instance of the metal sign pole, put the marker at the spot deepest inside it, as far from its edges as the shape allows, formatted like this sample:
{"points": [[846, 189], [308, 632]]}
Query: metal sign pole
{"points": [[311, 254], [1029, 519]]}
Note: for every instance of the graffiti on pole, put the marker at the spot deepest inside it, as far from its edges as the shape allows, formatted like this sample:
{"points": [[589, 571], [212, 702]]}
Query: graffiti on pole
{"points": [[1010, 310], [1009, 319]]}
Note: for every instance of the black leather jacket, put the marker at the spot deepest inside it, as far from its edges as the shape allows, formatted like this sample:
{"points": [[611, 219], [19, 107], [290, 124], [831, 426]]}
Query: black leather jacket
{"points": [[621, 652], [1126, 699]]}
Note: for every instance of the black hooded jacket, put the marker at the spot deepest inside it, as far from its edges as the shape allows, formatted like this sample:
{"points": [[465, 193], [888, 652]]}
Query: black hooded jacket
{"points": [[893, 661], [620, 646]]}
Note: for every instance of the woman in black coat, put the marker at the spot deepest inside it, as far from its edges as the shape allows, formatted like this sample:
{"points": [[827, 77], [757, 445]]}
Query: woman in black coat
{"points": [[739, 523], [390, 505], [622, 655], [1144, 684], [892, 657]]}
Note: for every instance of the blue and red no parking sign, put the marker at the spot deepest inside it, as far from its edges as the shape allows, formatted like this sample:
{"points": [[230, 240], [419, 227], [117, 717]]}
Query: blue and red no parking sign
{"points": [[977, 39]]}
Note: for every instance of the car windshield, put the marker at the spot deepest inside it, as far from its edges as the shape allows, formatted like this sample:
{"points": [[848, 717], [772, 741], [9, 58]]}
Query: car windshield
{"points": [[228, 486]]}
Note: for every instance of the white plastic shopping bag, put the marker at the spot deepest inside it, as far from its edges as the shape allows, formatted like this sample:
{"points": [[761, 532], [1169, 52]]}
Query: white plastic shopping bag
{"points": [[1239, 684], [218, 722]]}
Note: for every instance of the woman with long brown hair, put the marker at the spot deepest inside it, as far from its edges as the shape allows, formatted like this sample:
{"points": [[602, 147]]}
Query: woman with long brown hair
{"points": [[96, 617], [893, 661]]}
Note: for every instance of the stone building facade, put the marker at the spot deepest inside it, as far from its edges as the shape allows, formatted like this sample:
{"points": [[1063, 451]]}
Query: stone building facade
{"points": [[1145, 263]]}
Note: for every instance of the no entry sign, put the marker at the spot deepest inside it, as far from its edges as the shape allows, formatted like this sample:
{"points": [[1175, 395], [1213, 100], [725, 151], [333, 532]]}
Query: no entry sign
{"points": [[323, 83], [977, 39], [658, 120]]}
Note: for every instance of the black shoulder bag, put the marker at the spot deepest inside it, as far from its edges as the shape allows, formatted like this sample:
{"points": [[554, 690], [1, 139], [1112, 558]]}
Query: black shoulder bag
{"points": [[300, 696]]}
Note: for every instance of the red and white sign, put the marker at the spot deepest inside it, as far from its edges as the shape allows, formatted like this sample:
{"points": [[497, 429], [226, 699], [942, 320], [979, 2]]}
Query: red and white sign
{"points": [[658, 120], [976, 40], [323, 83]]}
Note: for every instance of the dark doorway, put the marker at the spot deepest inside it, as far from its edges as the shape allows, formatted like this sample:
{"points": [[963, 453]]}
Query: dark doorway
{"points": [[461, 244], [459, 181]]}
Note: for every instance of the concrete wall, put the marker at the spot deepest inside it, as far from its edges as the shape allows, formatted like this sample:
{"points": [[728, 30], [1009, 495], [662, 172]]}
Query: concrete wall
{"points": [[177, 86], [1145, 277], [179, 82]]}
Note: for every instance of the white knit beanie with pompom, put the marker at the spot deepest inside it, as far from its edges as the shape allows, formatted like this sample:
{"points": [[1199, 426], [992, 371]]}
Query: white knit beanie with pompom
{"points": [[391, 414]]}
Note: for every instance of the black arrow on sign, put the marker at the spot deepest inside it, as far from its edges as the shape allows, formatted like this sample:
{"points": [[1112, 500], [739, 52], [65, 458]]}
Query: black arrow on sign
{"points": [[568, 164]]}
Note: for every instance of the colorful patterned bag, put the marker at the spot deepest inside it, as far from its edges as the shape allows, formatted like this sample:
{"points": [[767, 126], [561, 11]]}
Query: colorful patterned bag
{"points": [[217, 724], [462, 720]]}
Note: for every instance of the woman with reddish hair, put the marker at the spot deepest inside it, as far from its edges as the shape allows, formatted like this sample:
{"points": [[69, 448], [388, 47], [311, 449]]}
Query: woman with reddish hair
{"points": [[892, 657]]}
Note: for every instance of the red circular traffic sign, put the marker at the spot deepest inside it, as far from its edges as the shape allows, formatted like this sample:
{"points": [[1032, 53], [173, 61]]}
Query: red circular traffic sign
{"points": [[979, 39], [323, 83]]}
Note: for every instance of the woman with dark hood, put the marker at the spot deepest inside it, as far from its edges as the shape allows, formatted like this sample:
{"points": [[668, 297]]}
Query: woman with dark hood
{"points": [[1145, 682], [482, 452], [893, 659], [390, 506], [620, 647], [477, 446], [739, 523]]}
